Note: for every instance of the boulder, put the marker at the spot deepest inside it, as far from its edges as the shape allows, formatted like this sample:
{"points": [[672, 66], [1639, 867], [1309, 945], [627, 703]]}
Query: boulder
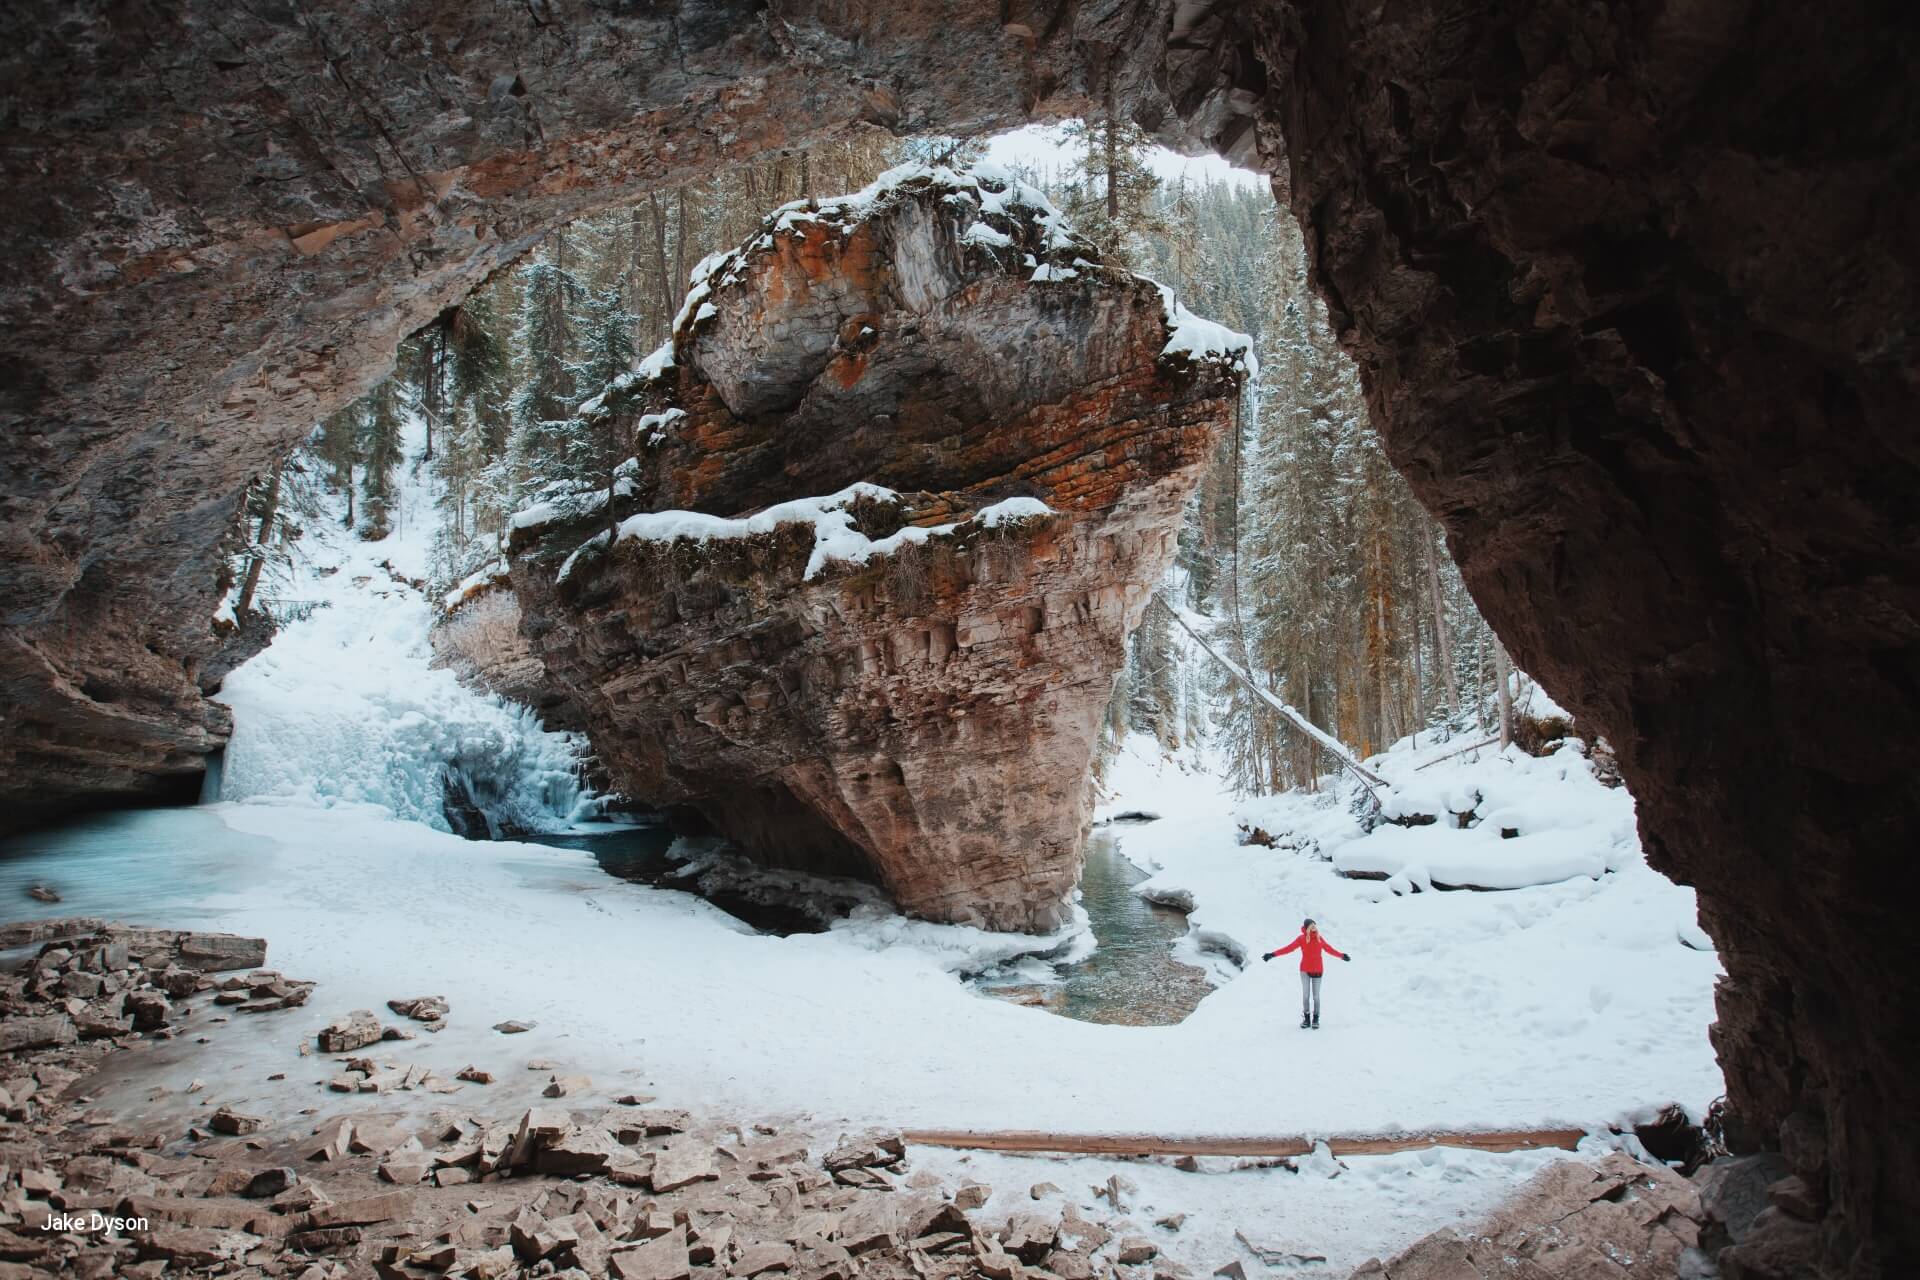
{"points": [[866, 1152], [897, 499], [39, 1031], [562, 1086], [356, 1030], [228, 1121], [681, 1163], [576, 1151], [664, 1258], [421, 1008]]}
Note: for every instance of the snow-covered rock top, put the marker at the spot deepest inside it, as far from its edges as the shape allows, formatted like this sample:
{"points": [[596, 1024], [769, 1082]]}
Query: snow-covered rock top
{"points": [[834, 536]]}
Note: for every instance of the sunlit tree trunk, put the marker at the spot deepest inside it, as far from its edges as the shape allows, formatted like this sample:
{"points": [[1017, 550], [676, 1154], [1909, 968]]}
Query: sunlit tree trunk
{"points": [[259, 560]]}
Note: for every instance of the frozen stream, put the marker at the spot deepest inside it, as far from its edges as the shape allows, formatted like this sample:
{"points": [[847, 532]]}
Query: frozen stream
{"points": [[1132, 977]]}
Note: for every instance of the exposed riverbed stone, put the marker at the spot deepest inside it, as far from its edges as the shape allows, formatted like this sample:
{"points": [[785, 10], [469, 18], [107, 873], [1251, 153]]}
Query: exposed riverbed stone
{"points": [[915, 695]]}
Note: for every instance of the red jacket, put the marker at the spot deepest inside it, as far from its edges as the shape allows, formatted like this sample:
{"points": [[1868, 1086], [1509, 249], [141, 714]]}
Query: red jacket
{"points": [[1311, 945]]}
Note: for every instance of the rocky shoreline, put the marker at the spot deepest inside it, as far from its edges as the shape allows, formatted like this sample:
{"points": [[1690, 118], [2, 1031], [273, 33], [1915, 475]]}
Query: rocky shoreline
{"points": [[431, 1186]]}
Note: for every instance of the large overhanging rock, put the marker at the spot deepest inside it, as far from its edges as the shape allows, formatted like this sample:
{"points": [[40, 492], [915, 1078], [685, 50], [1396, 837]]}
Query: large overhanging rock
{"points": [[221, 219], [1631, 286], [906, 675]]}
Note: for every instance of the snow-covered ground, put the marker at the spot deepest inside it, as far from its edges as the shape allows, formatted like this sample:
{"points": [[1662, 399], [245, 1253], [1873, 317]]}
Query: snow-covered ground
{"points": [[1576, 1003]]}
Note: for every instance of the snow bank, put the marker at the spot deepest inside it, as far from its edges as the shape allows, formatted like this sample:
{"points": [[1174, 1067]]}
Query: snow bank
{"points": [[1597, 982], [834, 536], [1499, 820]]}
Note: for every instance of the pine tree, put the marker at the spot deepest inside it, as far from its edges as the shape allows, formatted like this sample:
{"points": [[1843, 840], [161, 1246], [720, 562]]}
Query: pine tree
{"points": [[381, 421]]}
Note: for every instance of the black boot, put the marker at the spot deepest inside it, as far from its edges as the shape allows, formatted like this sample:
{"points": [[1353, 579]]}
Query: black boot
{"points": [[1316, 1022], [1304, 1024]]}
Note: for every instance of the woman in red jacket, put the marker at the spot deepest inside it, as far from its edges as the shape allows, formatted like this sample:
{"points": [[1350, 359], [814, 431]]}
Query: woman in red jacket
{"points": [[1311, 945]]}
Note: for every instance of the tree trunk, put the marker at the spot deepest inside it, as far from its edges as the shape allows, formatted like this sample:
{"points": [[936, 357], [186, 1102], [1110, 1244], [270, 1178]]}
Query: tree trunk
{"points": [[679, 250], [259, 560], [643, 329], [1442, 641], [1419, 684], [1502, 674], [664, 316], [1113, 160], [431, 392]]}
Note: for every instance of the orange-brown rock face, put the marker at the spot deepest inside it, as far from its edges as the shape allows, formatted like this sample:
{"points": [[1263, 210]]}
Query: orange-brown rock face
{"points": [[898, 498]]}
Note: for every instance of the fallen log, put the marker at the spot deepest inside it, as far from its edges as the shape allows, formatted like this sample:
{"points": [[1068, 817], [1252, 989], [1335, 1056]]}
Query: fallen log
{"points": [[1134, 1144]]}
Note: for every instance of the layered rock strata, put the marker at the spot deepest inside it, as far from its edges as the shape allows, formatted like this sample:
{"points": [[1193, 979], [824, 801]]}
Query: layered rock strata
{"points": [[906, 675]]}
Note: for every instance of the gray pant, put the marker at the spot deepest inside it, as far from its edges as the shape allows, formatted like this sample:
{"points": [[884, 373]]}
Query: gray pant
{"points": [[1309, 996]]}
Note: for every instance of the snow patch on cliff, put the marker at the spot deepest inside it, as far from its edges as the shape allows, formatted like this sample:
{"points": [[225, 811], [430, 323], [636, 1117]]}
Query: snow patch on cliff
{"points": [[834, 536]]}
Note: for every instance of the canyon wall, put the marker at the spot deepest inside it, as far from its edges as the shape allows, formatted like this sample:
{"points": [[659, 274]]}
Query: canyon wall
{"points": [[1631, 286], [903, 675], [1632, 290]]}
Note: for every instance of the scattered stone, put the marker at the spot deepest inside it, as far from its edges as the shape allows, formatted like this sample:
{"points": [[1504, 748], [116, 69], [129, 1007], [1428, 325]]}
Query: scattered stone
{"points": [[40, 1031], [1030, 1236], [269, 1183], [355, 1031], [758, 1258], [872, 1223], [576, 1151], [1172, 1222], [513, 1028], [474, 1074], [194, 1246], [324, 1239], [867, 1153], [657, 1122], [711, 1245], [1041, 1190], [1138, 1249], [421, 1008], [1118, 1190], [364, 1210], [1233, 1271], [972, 1195], [664, 1258], [227, 1120], [634, 1099], [148, 1009], [377, 1135], [681, 1163], [407, 1164], [566, 1086]]}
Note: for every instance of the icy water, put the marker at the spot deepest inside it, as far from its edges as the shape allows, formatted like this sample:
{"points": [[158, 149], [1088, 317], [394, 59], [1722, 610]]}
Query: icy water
{"points": [[164, 865], [1132, 977]]}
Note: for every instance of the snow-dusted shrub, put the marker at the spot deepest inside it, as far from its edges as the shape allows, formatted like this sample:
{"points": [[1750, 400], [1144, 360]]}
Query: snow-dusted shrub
{"points": [[482, 634]]}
